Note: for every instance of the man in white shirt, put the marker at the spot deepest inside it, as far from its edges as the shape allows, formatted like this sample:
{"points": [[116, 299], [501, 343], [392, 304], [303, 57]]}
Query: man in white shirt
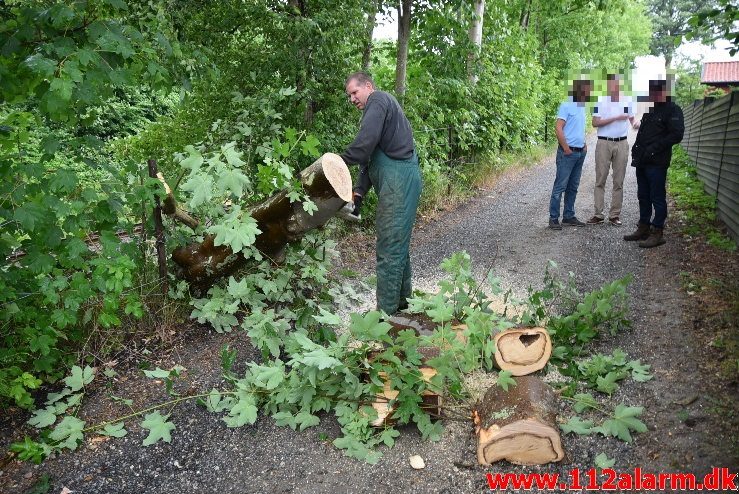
{"points": [[611, 117]]}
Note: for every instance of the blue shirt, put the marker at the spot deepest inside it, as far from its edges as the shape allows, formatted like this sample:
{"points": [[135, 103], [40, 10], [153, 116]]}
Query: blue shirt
{"points": [[574, 116]]}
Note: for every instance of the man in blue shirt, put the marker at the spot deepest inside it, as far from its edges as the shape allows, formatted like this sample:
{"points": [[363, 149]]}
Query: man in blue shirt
{"points": [[570, 129]]}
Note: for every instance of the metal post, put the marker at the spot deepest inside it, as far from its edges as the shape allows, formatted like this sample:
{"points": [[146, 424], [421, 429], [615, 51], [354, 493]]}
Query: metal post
{"points": [[159, 232]]}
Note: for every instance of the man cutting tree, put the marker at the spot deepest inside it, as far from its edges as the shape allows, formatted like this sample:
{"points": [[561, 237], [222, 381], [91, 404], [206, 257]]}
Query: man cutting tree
{"points": [[385, 146]]}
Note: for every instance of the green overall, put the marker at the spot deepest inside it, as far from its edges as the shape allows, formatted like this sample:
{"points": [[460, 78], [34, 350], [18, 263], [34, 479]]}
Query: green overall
{"points": [[398, 187]]}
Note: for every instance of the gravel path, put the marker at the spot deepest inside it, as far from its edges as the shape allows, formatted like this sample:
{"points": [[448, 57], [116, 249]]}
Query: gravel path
{"points": [[505, 226]]}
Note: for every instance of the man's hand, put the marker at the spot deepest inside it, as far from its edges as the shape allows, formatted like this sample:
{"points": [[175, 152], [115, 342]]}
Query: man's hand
{"points": [[636, 125], [567, 150]]}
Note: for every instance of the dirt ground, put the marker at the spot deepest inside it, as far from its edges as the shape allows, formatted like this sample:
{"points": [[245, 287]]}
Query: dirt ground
{"points": [[684, 313]]}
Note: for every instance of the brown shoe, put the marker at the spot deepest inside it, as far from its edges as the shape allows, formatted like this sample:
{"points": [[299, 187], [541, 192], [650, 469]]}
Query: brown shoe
{"points": [[641, 233], [655, 239], [615, 221], [595, 221]]}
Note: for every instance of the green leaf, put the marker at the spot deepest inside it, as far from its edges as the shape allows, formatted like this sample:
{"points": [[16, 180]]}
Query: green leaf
{"points": [[267, 377], [285, 419], [639, 371], [505, 380], [157, 373], [68, 433], [388, 436], [319, 358], [236, 234], [201, 187], [194, 160], [159, 428], [233, 157], [306, 419], [369, 327], [584, 401], [79, 377], [602, 461], [43, 418], [233, 181], [29, 215], [607, 383], [309, 207], [242, 413], [309, 146], [577, 425], [114, 430], [623, 422], [327, 317]]}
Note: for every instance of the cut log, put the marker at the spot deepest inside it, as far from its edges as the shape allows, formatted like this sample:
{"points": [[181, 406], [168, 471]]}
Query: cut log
{"points": [[431, 401], [518, 425], [327, 182], [522, 351]]}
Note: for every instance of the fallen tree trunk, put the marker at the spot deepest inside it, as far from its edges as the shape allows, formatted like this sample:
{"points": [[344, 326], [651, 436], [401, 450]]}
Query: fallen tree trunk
{"points": [[327, 182], [522, 351], [518, 425]]}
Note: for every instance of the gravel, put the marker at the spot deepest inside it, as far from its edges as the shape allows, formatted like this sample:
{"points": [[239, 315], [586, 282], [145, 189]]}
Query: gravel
{"points": [[505, 227]]}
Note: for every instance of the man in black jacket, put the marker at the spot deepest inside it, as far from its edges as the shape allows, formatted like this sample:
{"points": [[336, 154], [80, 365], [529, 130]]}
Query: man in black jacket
{"points": [[661, 128]]}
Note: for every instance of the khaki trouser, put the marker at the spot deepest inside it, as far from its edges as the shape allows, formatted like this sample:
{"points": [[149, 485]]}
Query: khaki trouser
{"points": [[607, 154]]}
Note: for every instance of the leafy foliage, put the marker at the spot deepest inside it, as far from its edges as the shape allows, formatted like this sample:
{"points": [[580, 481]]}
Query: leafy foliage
{"points": [[694, 204]]}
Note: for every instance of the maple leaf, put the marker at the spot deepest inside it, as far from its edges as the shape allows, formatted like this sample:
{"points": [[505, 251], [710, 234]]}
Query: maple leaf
{"points": [[578, 426], [623, 422], [159, 428]]}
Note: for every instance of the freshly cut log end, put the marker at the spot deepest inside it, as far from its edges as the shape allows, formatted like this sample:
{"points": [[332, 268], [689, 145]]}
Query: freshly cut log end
{"points": [[337, 174], [522, 351], [518, 425]]}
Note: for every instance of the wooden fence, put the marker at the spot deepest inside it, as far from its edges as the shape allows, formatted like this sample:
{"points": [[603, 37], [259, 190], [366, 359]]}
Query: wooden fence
{"points": [[712, 141]]}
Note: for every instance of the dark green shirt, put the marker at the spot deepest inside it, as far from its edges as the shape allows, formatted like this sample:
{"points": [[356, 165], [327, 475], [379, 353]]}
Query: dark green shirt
{"points": [[383, 125]]}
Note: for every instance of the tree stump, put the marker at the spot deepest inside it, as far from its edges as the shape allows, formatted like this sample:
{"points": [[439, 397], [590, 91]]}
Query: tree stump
{"points": [[327, 182], [522, 351], [518, 425]]}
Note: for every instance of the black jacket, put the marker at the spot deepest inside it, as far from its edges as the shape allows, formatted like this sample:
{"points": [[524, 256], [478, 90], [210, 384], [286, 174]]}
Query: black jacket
{"points": [[661, 127]]}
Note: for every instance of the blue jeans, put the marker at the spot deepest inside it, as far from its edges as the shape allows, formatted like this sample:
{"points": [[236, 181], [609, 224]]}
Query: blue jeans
{"points": [[650, 183], [567, 180]]}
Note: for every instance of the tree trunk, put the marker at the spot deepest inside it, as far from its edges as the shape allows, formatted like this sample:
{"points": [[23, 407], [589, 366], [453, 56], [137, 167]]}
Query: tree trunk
{"points": [[367, 52], [404, 31], [518, 425], [476, 39], [327, 182], [522, 351], [525, 13]]}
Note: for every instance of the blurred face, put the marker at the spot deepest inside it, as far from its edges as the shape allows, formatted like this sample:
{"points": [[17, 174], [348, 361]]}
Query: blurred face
{"points": [[358, 93], [582, 91], [614, 87], [658, 94]]}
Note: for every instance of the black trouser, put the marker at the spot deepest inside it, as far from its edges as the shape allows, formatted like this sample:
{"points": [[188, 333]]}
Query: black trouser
{"points": [[651, 182]]}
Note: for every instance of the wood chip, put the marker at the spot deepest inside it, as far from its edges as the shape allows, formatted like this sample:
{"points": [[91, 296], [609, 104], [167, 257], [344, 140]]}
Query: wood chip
{"points": [[417, 462]]}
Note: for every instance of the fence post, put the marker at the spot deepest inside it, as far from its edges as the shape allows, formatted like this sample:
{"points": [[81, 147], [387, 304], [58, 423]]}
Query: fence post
{"points": [[700, 132], [159, 231], [723, 143]]}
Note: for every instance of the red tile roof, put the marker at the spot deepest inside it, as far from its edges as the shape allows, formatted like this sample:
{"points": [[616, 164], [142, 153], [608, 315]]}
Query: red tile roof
{"points": [[716, 72]]}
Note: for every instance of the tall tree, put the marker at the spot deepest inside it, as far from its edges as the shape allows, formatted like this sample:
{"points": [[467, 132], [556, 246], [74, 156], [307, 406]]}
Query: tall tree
{"points": [[404, 33], [669, 24], [372, 9], [475, 38]]}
